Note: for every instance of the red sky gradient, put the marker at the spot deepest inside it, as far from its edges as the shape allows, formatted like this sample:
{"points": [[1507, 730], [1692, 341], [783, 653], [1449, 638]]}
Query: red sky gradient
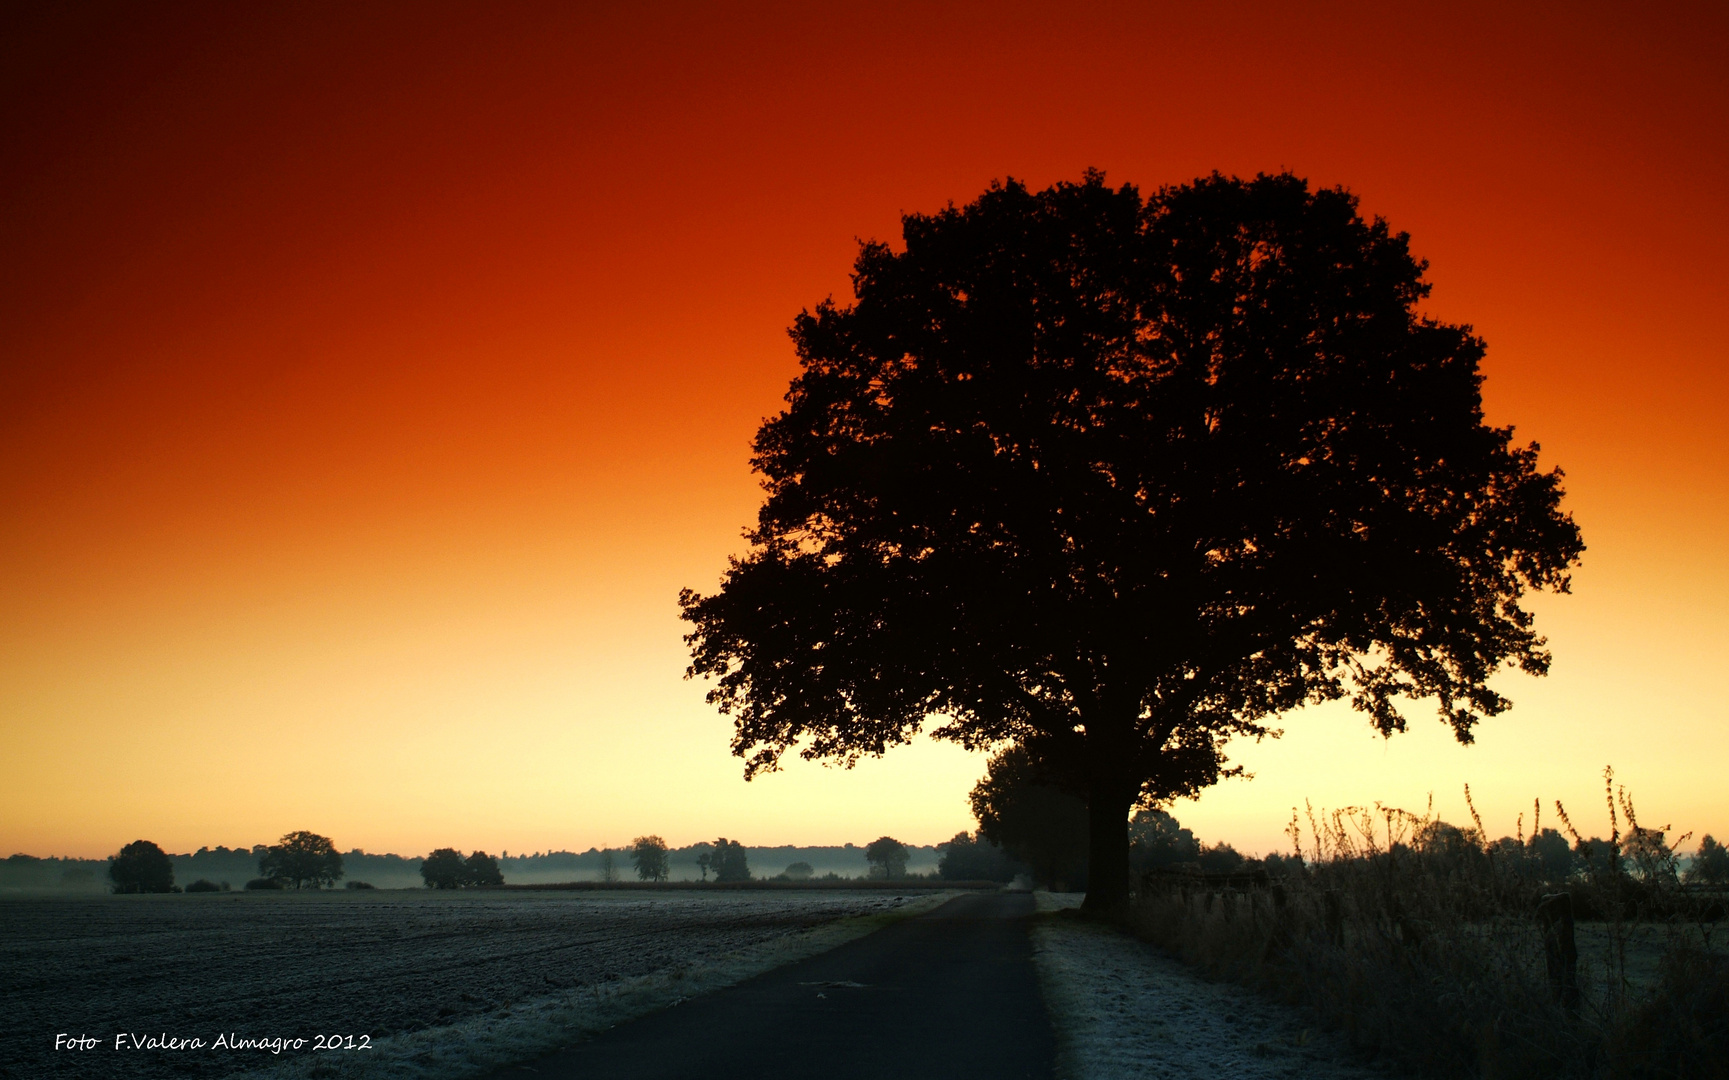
{"points": [[371, 378]]}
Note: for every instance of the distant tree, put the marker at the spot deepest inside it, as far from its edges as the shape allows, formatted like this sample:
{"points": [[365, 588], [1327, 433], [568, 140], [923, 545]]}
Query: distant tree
{"points": [[973, 858], [1710, 863], [702, 863], [141, 867], [1034, 820], [444, 869], [302, 860], [203, 885], [1552, 855], [1220, 858], [1283, 865], [1158, 841], [1600, 859], [608, 866], [799, 871], [887, 858], [728, 861], [1119, 479], [262, 884], [1438, 838], [481, 869], [1649, 853], [648, 855]]}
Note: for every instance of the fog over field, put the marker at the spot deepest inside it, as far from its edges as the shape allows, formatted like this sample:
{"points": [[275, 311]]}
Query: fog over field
{"points": [[22, 873]]}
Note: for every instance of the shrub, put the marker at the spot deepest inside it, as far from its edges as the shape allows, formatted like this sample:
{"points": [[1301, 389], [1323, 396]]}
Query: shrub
{"points": [[359, 885], [203, 885], [262, 883], [799, 871], [141, 867]]}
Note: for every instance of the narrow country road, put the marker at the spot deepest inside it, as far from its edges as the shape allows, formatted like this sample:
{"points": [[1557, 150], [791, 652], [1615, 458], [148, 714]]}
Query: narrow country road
{"points": [[951, 994]]}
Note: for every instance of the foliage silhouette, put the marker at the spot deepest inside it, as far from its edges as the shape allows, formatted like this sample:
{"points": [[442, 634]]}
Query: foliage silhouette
{"points": [[1552, 855], [648, 853], [141, 867], [444, 869], [973, 858], [728, 861], [1032, 819], [481, 869], [302, 860], [1117, 480], [799, 871], [887, 858], [447, 869], [1157, 841], [1710, 863]]}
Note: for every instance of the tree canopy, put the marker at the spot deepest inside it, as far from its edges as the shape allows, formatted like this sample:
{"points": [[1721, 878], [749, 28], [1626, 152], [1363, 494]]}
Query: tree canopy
{"points": [[141, 867], [1032, 819], [728, 861], [887, 857], [648, 853], [1117, 479], [302, 860], [445, 868]]}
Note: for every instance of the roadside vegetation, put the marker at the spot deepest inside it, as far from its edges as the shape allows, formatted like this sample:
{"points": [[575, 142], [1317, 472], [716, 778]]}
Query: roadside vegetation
{"points": [[1448, 954]]}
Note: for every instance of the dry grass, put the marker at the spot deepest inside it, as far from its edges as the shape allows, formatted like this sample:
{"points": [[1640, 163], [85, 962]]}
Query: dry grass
{"points": [[1420, 942]]}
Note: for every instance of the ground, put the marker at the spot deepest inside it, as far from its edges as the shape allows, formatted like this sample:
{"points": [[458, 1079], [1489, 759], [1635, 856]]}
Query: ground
{"points": [[439, 984], [1123, 1009]]}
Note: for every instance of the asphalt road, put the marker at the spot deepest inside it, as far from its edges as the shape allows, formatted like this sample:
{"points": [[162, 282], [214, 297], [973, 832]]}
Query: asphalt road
{"points": [[948, 994]]}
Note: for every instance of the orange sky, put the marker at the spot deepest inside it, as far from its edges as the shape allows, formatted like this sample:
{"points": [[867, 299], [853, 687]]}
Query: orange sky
{"points": [[371, 380]]}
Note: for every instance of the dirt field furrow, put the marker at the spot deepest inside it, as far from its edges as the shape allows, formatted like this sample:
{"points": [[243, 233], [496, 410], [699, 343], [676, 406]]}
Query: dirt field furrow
{"points": [[377, 965]]}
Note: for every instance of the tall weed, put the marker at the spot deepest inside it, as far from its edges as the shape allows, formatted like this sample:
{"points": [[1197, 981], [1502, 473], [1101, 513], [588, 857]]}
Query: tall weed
{"points": [[1420, 940]]}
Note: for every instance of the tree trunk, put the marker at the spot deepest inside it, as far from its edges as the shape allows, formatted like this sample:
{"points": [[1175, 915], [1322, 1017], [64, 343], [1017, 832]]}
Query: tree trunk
{"points": [[1107, 850]]}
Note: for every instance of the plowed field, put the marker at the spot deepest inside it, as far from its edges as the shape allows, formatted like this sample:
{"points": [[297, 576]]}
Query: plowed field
{"points": [[344, 964]]}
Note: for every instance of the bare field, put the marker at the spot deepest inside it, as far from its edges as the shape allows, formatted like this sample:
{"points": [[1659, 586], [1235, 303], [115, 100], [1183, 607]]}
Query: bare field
{"points": [[400, 968]]}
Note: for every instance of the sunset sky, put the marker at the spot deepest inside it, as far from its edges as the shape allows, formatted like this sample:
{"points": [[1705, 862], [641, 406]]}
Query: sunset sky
{"points": [[372, 377]]}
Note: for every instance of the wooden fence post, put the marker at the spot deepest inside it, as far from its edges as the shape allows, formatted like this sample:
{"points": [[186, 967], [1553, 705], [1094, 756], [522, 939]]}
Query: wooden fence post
{"points": [[1555, 912]]}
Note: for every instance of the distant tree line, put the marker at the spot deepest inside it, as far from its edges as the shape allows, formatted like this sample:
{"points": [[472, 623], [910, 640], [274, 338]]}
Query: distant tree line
{"points": [[446, 868], [1022, 831]]}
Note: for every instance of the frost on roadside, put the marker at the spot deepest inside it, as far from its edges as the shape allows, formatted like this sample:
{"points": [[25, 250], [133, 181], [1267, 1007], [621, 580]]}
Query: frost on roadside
{"points": [[1123, 1009]]}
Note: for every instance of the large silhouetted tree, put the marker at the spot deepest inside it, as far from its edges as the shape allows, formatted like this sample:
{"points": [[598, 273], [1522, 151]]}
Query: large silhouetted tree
{"points": [[302, 860], [141, 867], [1117, 480]]}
